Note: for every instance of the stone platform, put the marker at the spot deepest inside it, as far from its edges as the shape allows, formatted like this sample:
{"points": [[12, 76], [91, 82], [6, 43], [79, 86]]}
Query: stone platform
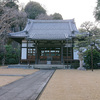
{"points": [[19, 66], [48, 66], [38, 66]]}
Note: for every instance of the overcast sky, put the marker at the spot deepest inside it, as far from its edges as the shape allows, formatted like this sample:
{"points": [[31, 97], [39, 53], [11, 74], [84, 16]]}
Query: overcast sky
{"points": [[80, 10]]}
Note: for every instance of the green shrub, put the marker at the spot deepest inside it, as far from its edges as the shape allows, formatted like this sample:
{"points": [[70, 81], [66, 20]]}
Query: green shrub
{"points": [[11, 55], [12, 61], [96, 58], [1, 56]]}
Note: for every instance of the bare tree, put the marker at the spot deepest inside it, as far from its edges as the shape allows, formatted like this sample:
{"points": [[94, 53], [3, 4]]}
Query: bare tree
{"points": [[44, 17], [55, 16], [9, 17]]}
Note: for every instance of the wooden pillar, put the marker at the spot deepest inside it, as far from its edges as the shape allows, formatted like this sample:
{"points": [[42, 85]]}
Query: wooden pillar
{"points": [[62, 54], [67, 52], [71, 51], [28, 60], [72, 47], [36, 54], [20, 46]]}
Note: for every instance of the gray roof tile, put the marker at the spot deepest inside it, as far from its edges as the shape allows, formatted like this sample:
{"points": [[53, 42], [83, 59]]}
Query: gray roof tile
{"points": [[48, 29], [21, 34]]}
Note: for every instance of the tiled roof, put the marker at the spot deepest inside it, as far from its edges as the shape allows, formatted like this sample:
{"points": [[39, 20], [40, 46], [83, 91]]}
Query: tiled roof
{"points": [[48, 30], [21, 34]]}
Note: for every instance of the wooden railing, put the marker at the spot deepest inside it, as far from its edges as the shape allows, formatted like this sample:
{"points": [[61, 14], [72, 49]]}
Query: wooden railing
{"points": [[54, 58]]}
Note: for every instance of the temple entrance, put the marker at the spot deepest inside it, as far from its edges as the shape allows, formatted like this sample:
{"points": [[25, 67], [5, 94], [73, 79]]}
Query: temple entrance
{"points": [[53, 55]]}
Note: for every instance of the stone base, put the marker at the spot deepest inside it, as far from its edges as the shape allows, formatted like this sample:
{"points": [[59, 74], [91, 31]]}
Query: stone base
{"points": [[81, 68], [19, 66], [48, 66]]}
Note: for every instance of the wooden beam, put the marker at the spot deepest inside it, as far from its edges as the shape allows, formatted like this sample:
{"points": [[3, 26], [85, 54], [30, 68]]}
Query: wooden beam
{"points": [[19, 40]]}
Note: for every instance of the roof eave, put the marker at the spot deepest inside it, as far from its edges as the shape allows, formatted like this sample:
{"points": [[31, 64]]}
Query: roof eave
{"points": [[17, 36], [45, 39]]}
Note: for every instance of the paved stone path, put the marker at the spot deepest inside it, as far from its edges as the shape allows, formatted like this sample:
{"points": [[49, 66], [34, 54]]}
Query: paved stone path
{"points": [[12, 75], [27, 88]]}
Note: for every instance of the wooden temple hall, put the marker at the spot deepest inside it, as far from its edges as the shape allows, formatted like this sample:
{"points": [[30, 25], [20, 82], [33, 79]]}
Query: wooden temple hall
{"points": [[47, 42]]}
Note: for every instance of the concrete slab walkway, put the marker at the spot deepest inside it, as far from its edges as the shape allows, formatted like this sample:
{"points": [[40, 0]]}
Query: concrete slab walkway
{"points": [[12, 75], [27, 88]]}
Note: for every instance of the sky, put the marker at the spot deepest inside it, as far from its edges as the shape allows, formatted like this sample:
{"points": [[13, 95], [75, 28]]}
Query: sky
{"points": [[79, 10]]}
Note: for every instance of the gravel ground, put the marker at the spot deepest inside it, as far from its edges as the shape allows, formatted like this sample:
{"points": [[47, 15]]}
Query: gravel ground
{"points": [[8, 79], [15, 71], [73, 85], [4, 80]]}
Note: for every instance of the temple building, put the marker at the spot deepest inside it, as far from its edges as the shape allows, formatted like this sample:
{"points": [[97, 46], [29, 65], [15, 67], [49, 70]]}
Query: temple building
{"points": [[47, 42]]}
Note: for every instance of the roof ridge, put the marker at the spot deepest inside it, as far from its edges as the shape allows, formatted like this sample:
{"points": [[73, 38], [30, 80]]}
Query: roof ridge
{"points": [[58, 21]]}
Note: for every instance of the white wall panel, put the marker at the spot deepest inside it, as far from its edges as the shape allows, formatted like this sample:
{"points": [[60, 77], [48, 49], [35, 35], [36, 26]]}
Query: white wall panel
{"points": [[24, 53], [75, 55], [24, 44]]}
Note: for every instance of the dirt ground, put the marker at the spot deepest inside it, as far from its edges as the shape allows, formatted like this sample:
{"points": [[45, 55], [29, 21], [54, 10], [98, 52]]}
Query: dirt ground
{"points": [[8, 79], [15, 71], [4, 80], [73, 85]]}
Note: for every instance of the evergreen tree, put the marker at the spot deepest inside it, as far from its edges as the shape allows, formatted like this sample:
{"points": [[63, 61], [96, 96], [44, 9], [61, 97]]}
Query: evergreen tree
{"points": [[33, 9], [97, 11], [57, 16]]}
